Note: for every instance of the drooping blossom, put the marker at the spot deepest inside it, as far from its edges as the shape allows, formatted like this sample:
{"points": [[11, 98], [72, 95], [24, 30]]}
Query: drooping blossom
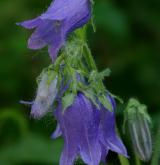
{"points": [[87, 132], [53, 26]]}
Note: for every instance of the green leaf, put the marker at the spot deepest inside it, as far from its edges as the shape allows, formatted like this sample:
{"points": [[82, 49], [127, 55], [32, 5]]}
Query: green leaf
{"points": [[67, 100]]}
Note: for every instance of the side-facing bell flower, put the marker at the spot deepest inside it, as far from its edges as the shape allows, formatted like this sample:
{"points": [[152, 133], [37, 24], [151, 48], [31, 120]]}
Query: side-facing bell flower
{"points": [[46, 94], [87, 132], [53, 26]]}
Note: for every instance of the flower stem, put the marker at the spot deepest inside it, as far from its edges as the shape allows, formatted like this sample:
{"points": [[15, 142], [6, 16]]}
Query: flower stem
{"points": [[156, 153], [123, 160], [89, 58], [138, 162], [81, 33], [58, 62]]}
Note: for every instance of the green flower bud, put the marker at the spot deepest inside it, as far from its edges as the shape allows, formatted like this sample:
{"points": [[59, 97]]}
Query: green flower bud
{"points": [[138, 121]]}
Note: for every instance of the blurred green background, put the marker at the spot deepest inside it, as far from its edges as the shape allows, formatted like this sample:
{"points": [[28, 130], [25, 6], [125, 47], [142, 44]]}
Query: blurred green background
{"points": [[127, 40]]}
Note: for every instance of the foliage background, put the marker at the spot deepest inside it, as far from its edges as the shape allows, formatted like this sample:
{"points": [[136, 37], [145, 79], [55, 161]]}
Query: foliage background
{"points": [[127, 40]]}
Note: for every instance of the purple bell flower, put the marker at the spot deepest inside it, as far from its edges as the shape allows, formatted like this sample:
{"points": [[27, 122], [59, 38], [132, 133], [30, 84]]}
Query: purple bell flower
{"points": [[53, 26], [87, 132]]}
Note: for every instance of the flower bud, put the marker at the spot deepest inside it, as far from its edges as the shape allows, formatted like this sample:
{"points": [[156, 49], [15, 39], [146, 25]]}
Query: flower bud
{"points": [[46, 94], [138, 121]]}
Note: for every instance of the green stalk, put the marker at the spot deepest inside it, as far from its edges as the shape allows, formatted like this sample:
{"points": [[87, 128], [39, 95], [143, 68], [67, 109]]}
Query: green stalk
{"points": [[138, 162], [81, 33], [123, 160], [89, 58], [58, 62], [156, 153]]}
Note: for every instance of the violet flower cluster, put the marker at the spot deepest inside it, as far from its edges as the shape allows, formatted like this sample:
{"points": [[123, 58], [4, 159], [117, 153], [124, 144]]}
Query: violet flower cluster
{"points": [[88, 132], [83, 108]]}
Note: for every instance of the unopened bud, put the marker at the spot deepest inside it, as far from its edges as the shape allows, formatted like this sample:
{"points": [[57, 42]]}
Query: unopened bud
{"points": [[138, 122], [46, 93]]}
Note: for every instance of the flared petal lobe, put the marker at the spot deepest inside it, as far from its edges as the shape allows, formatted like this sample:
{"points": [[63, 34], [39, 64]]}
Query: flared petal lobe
{"points": [[53, 26], [108, 135], [57, 133], [30, 24]]}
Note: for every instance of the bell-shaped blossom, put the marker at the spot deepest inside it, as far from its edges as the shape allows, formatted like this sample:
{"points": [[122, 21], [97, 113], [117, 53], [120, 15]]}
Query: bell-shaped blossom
{"points": [[46, 94], [88, 132], [53, 26]]}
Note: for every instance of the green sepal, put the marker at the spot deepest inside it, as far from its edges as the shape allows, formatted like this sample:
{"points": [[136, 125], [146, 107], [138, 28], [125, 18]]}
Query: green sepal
{"points": [[118, 98], [105, 73], [93, 22], [105, 102], [88, 57], [51, 74], [90, 95], [67, 100], [92, 17], [95, 76]]}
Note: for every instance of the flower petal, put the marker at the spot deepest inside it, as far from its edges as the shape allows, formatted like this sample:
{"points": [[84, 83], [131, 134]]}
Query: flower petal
{"points": [[104, 152], [90, 149], [35, 42], [57, 133], [30, 24], [70, 150], [67, 9], [54, 48], [115, 144], [109, 137]]}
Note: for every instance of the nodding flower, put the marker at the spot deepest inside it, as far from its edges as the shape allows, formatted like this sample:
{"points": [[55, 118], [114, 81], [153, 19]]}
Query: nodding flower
{"points": [[88, 132], [53, 26]]}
